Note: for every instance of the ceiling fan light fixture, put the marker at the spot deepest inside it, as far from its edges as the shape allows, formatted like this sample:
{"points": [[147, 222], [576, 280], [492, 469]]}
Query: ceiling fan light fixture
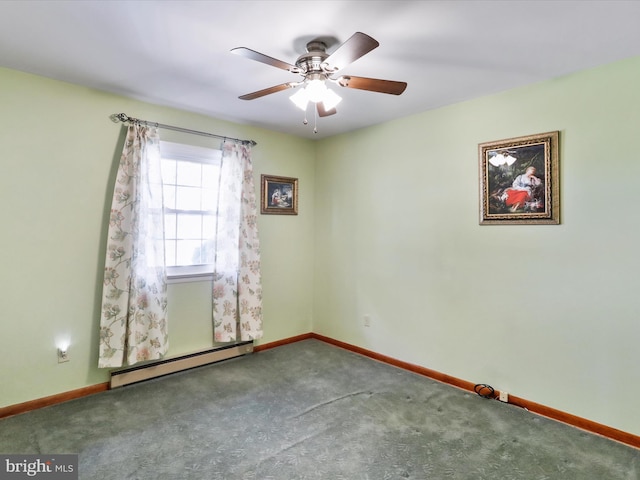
{"points": [[316, 66], [300, 99], [331, 99], [316, 90]]}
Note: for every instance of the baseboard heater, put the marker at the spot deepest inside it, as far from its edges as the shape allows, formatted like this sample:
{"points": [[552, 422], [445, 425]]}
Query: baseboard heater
{"points": [[138, 373]]}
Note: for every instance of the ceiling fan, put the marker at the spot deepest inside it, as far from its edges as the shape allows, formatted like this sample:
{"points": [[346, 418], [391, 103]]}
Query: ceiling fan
{"points": [[317, 67]]}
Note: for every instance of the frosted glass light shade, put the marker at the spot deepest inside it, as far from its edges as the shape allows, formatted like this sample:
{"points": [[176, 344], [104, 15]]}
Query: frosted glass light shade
{"points": [[316, 90], [331, 99], [300, 99]]}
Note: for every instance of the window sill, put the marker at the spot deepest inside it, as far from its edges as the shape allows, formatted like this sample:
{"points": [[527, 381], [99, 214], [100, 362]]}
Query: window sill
{"points": [[201, 277]]}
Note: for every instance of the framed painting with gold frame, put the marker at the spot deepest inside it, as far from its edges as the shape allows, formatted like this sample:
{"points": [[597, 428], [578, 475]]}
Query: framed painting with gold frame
{"points": [[519, 180], [278, 195]]}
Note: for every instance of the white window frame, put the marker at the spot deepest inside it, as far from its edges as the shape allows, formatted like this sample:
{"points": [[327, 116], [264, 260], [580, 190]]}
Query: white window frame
{"points": [[189, 153]]}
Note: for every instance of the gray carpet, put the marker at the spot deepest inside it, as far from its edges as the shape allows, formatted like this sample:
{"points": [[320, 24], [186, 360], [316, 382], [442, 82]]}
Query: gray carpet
{"points": [[309, 410]]}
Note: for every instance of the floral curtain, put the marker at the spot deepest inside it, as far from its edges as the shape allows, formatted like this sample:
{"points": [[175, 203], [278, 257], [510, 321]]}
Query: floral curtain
{"points": [[133, 325], [237, 289]]}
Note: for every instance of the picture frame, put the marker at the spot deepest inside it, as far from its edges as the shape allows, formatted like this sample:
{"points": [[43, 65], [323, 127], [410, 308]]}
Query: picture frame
{"points": [[519, 180], [278, 195]]}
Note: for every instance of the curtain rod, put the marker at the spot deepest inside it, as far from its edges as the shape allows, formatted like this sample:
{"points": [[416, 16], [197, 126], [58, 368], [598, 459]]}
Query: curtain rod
{"points": [[124, 118]]}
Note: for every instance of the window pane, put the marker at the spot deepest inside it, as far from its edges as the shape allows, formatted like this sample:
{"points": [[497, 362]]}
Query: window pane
{"points": [[170, 225], [188, 198], [188, 252], [208, 226], [169, 196], [189, 226], [208, 251], [189, 173], [210, 174], [170, 252], [191, 183], [168, 171], [209, 199]]}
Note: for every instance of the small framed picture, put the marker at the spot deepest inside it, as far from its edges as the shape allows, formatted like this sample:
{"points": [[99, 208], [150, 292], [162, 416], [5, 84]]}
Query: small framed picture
{"points": [[519, 180], [279, 195]]}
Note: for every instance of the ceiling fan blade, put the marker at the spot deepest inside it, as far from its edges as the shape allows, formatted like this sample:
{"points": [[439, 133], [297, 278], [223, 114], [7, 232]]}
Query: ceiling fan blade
{"points": [[356, 46], [260, 57], [266, 91], [322, 112], [372, 84]]}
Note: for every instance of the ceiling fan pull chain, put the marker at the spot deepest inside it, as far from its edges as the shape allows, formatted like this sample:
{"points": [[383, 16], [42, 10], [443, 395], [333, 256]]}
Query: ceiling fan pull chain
{"points": [[315, 120]]}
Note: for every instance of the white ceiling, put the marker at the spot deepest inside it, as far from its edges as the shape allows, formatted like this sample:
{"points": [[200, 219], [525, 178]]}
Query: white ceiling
{"points": [[177, 53]]}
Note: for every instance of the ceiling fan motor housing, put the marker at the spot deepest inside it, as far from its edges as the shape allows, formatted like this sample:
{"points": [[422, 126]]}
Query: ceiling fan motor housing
{"points": [[311, 62]]}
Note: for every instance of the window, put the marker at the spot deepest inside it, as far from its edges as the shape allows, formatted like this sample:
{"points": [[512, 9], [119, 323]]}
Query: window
{"points": [[190, 177]]}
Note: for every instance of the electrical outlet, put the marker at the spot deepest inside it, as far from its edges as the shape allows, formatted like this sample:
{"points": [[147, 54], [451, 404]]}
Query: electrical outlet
{"points": [[504, 397], [367, 320], [63, 355]]}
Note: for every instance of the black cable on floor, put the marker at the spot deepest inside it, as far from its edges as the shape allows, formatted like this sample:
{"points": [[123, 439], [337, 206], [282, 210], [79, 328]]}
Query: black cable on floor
{"points": [[484, 390]]}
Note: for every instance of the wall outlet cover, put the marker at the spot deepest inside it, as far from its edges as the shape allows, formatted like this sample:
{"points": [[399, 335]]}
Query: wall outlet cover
{"points": [[63, 356]]}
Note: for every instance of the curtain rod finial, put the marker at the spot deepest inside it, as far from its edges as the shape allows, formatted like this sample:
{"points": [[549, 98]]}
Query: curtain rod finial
{"points": [[119, 117]]}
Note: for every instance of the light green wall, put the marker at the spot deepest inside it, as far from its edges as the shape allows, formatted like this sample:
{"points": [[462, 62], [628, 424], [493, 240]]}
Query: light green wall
{"points": [[58, 155], [548, 313]]}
